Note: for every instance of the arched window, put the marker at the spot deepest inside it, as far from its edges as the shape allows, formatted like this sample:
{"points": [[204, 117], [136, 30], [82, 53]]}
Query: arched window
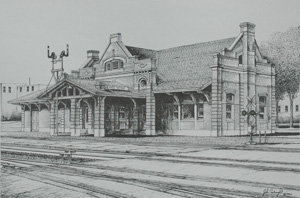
{"points": [[229, 105], [187, 108], [114, 64]]}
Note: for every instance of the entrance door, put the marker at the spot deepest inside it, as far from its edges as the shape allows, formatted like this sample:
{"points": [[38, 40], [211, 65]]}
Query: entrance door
{"points": [[61, 120], [85, 117], [35, 121], [166, 116]]}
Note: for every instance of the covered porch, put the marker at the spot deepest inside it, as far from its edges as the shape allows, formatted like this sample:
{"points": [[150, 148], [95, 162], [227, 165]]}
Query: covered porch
{"points": [[70, 109]]}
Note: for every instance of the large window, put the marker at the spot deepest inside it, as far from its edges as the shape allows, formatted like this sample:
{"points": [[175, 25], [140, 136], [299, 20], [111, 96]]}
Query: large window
{"points": [[188, 111], [114, 64], [229, 105], [262, 107]]}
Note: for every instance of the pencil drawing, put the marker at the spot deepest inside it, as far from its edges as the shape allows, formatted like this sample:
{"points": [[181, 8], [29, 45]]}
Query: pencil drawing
{"points": [[217, 118]]}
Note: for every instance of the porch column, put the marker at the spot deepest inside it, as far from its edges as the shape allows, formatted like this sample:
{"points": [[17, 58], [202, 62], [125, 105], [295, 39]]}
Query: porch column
{"points": [[99, 130], [90, 122], [23, 118], [102, 105], [53, 118], [78, 119], [150, 111], [73, 117], [63, 119], [195, 114]]}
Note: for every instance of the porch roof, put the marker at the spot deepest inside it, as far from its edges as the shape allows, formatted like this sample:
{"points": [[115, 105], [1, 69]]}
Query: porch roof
{"points": [[87, 85]]}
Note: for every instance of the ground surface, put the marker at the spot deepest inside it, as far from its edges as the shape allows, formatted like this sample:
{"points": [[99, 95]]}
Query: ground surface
{"points": [[148, 167]]}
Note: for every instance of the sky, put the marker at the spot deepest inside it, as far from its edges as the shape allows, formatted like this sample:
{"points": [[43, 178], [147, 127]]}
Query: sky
{"points": [[27, 27]]}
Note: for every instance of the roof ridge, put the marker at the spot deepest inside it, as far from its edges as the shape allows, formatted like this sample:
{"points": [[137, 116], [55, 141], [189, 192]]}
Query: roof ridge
{"points": [[197, 44]]}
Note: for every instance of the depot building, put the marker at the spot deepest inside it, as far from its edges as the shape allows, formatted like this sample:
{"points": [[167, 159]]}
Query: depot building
{"points": [[198, 90]]}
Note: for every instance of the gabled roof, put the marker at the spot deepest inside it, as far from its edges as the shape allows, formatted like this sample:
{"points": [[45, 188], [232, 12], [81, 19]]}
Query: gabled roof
{"points": [[87, 85], [141, 53], [188, 64]]}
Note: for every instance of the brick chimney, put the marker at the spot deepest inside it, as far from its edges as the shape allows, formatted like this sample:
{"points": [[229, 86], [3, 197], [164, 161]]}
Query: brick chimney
{"points": [[94, 54], [115, 37]]}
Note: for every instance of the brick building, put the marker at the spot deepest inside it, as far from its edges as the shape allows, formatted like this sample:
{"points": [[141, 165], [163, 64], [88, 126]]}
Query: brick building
{"points": [[198, 89], [9, 91]]}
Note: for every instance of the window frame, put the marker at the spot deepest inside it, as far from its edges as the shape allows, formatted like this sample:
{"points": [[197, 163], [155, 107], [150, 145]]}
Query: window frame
{"points": [[32, 88], [27, 88], [109, 65], [198, 111], [262, 100], [286, 109], [175, 111], [9, 89], [182, 111], [296, 108], [4, 89], [229, 103]]}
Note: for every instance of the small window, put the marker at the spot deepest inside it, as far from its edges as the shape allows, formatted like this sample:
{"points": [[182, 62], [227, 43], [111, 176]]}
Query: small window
{"points": [[262, 106], [20, 89], [297, 108], [229, 111], [107, 66], [175, 111], [262, 100], [143, 83], [27, 88], [240, 59], [286, 108], [229, 98], [200, 110], [9, 89], [115, 64], [4, 89], [279, 109], [32, 88], [229, 105]]}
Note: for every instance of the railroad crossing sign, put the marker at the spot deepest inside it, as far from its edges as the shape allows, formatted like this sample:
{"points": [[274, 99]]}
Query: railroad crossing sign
{"points": [[251, 102], [251, 116]]}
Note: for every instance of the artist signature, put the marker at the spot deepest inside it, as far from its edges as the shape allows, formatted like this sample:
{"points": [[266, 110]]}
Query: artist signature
{"points": [[275, 192]]}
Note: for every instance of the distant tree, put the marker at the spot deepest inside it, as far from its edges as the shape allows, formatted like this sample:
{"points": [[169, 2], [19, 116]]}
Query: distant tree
{"points": [[283, 49]]}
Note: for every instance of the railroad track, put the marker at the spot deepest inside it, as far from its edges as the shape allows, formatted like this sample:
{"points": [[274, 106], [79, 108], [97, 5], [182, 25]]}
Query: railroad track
{"points": [[20, 171], [160, 174], [182, 190], [205, 161]]}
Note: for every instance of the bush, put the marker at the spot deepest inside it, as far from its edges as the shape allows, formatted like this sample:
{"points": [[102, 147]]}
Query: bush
{"points": [[15, 116]]}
